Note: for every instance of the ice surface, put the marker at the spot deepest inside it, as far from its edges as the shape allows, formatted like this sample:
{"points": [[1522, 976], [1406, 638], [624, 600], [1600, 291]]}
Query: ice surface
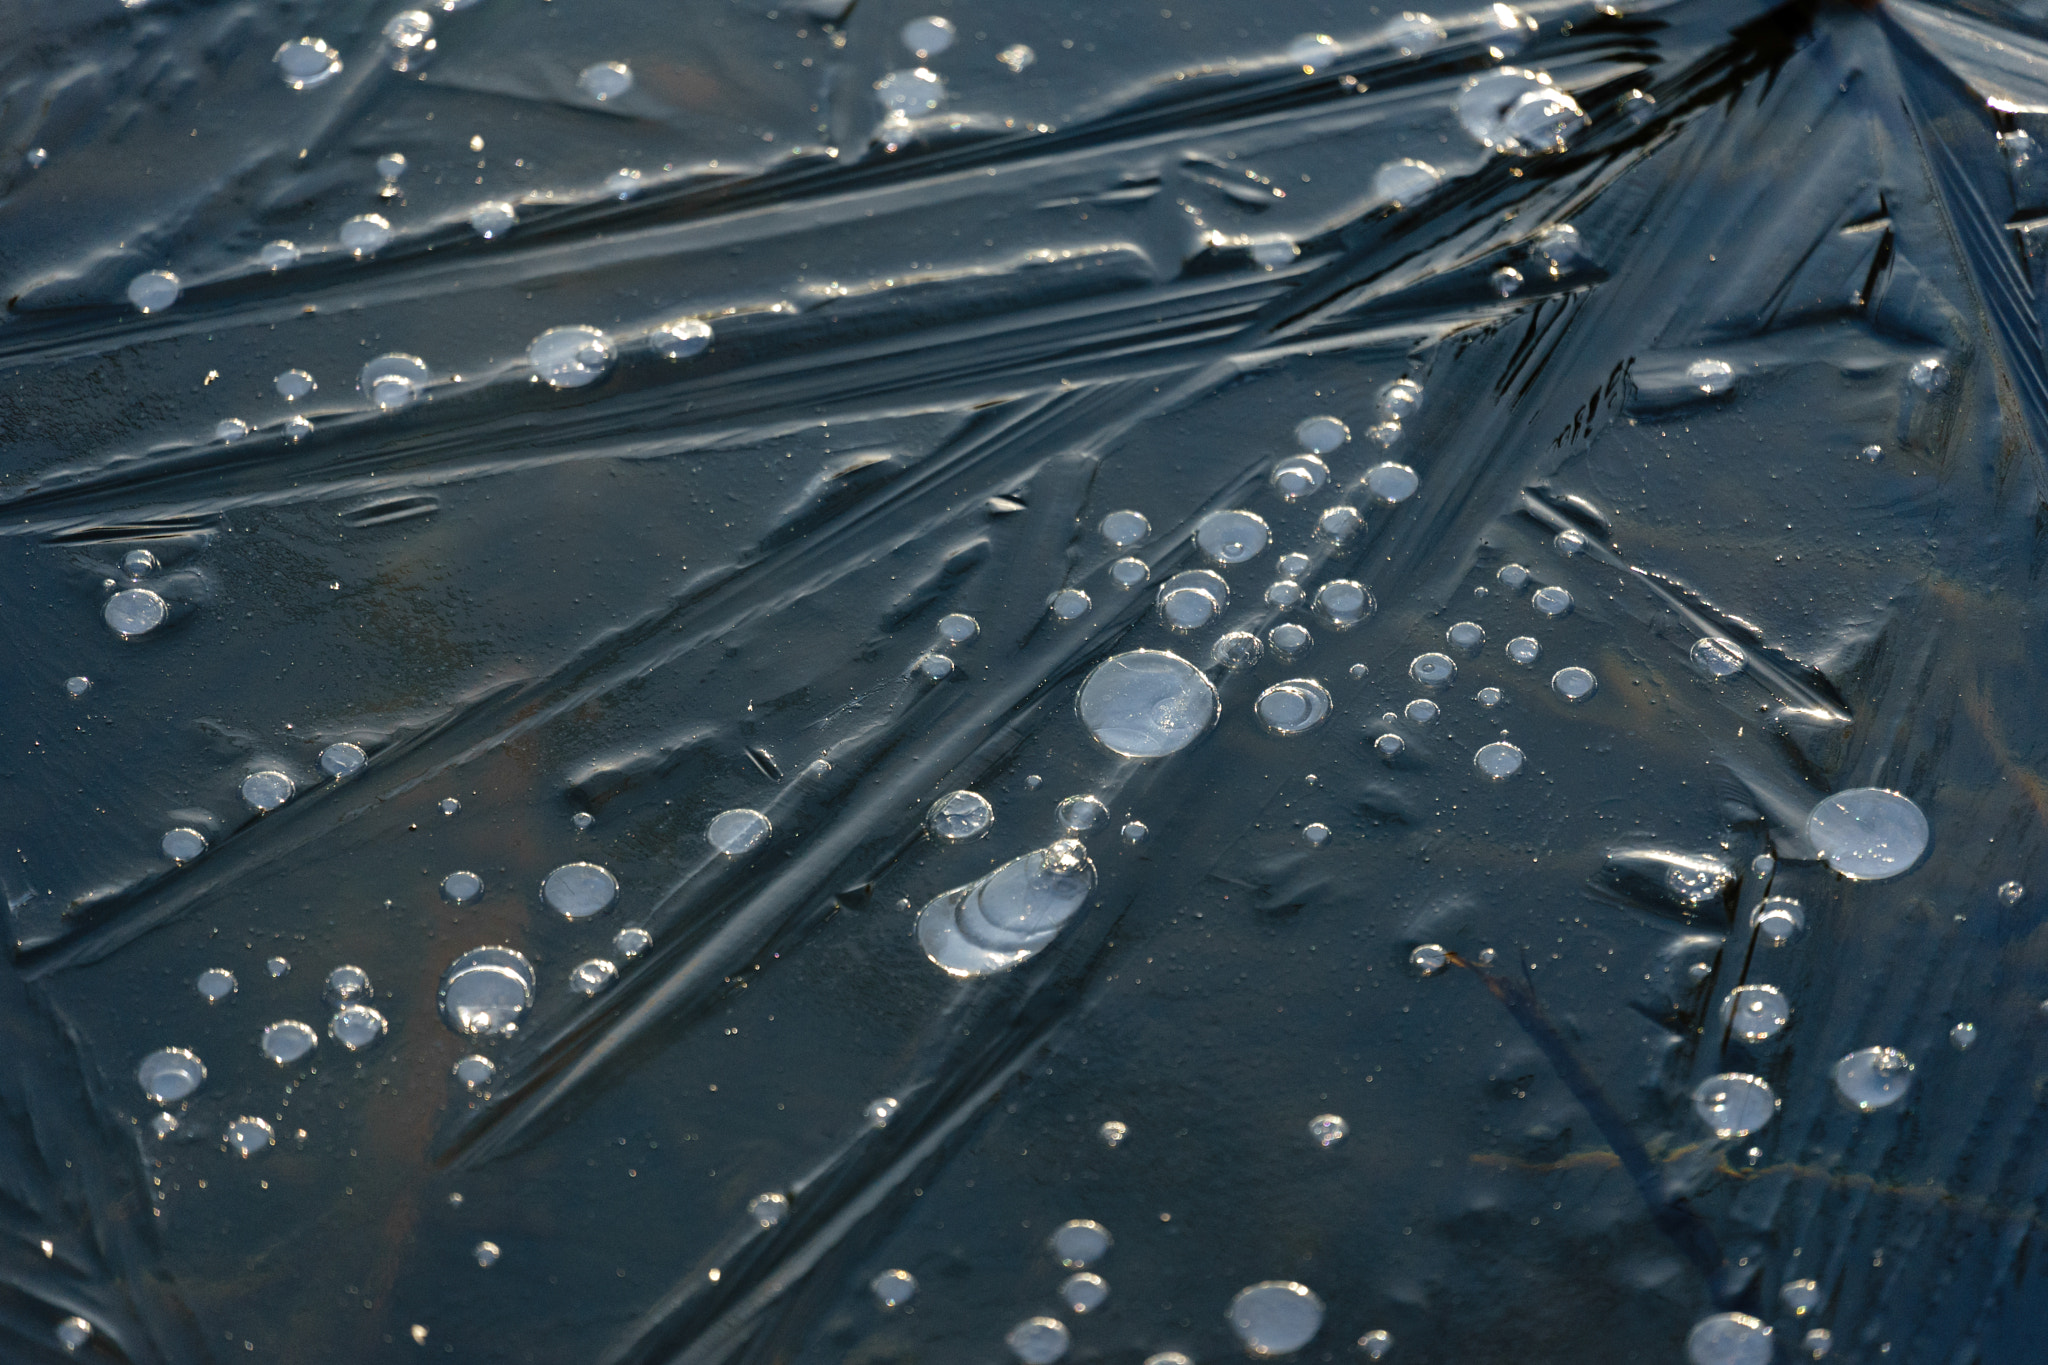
{"points": [[632, 535]]}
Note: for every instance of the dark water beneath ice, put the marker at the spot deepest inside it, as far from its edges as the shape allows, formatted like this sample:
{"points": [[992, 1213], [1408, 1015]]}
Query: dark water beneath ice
{"points": [[1781, 386]]}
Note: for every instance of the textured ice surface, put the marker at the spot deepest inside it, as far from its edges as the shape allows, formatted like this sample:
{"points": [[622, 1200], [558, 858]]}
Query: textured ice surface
{"points": [[624, 455]]}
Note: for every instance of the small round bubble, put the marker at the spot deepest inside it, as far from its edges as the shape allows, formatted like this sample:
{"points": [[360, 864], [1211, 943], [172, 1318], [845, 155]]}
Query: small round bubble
{"points": [[1343, 603], [230, 430], [734, 832], [215, 984], [487, 1254], [1778, 920], [681, 339], [579, 890], [1499, 760], [928, 36], [1421, 711], [1299, 476], [288, 1040], [1321, 435], [910, 94], [492, 219], [1232, 537], [605, 80], [1729, 1339], [592, 976], [1376, 1343], [1084, 1292], [1734, 1105], [247, 1136], [1293, 707], [1758, 1013], [1574, 683], [343, 759], [570, 357], [356, 1026], [293, 385], [1275, 1317], [1316, 834], [135, 611], [153, 291], [304, 63], [410, 35], [893, 1288], [267, 790], [1079, 814], [1285, 593], [1524, 649], [958, 628], [1718, 658], [1929, 375], [170, 1074], [73, 1333], [1466, 635], [1390, 745], [1800, 1297], [1113, 1132], [1238, 650], [960, 815], [183, 845], [1411, 35], [1873, 1078], [1290, 640], [1711, 376], [393, 381], [1069, 604], [1130, 573], [1406, 181], [474, 1071], [1433, 669], [486, 992], [1338, 524], [1038, 1341], [1080, 1242], [1868, 833], [1392, 482], [1327, 1130], [366, 233], [1189, 600], [460, 888], [1551, 600]]}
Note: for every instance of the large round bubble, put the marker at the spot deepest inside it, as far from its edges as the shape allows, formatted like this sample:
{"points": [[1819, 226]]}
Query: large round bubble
{"points": [[1147, 703]]}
